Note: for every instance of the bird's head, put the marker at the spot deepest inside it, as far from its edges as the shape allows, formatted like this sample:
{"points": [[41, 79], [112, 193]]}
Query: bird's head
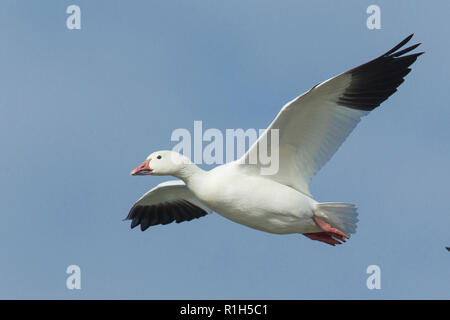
{"points": [[162, 163]]}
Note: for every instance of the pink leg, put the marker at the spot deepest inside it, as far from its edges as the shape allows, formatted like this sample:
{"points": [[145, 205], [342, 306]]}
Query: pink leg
{"points": [[330, 235]]}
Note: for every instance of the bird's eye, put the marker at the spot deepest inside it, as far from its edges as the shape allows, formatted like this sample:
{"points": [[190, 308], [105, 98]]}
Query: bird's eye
{"points": [[158, 157]]}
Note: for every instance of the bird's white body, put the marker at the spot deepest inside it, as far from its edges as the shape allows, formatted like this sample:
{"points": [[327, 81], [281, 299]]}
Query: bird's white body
{"points": [[254, 201]]}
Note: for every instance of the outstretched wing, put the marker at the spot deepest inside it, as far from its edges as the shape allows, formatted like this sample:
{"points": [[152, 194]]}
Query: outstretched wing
{"points": [[167, 202], [313, 126]]}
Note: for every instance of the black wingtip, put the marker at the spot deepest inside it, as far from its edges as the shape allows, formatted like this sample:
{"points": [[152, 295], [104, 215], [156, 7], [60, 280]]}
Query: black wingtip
{"points": [[402, 52], [398, 46], [163, 213], [420, 53], [375, 81], [448, 248]]}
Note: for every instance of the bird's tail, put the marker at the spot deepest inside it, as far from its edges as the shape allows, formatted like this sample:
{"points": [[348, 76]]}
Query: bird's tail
{"points": [[339, 215]]}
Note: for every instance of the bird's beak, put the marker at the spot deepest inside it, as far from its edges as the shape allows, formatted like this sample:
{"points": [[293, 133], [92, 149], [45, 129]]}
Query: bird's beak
{"points": [[143, 170]]}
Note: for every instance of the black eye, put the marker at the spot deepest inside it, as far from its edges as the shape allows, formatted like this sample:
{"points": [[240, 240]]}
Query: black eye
{"points": [[158, 157]]}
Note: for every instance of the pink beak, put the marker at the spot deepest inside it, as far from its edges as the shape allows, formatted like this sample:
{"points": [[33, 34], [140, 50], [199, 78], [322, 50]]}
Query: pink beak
{"points": [[143, 170]]}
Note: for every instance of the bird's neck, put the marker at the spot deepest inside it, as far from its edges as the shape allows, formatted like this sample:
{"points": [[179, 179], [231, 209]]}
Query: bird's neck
{"points": [[189, 172]]}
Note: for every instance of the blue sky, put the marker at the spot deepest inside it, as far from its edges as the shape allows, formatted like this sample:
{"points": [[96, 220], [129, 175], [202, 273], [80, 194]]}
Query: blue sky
{"points": [[80, 108]]}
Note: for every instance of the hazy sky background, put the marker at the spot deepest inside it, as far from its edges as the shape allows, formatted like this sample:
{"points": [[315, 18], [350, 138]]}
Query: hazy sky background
{"points": [[80, 108]]}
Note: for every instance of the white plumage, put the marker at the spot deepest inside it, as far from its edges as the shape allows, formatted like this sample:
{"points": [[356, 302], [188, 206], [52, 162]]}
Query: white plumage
{"points": [[311, 128]]}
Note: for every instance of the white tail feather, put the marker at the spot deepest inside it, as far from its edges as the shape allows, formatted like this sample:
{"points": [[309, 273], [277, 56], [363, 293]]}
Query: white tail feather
{"points": [[339, 215]]}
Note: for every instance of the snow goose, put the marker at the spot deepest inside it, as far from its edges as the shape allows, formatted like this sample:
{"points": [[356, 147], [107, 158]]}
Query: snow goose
{"points": [[311, 128]]}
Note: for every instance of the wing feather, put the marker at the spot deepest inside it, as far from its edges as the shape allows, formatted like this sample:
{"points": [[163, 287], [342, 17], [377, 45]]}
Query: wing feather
{"points": [[169, 201], [313, 126]]}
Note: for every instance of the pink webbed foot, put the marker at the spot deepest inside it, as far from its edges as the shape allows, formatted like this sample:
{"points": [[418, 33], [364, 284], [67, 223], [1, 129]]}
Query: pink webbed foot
{"points": [[330, 235]]}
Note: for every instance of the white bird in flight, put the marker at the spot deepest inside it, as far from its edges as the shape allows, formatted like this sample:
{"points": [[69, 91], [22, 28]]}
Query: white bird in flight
{"points": [[311, 128]]}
